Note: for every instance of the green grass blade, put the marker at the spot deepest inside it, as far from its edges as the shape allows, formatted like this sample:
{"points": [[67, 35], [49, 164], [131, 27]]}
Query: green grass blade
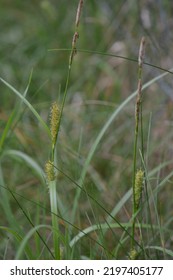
{"points": [[119, 205], [106, 226], [30, 222], [26, 102], [114, 55], [23, 244], [13, 116], [7, 128], [28, 160], [163, 250], [6, 206], [19, 239]]}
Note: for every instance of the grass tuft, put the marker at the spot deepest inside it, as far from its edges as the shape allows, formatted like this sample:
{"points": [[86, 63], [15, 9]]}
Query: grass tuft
{"points": [[96, 197]]}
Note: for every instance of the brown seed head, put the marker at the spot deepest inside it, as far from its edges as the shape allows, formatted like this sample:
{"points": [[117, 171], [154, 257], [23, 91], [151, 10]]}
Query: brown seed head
{"points": [[141, 52], [79, 9]]}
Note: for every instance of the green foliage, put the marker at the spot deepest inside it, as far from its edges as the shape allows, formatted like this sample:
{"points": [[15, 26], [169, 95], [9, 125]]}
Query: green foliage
{"points": [[93, 156]]}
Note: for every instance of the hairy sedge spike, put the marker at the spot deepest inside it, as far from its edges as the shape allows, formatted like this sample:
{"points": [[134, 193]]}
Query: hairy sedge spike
{"points": [[49, 170], [54, 122], [133, 254], [139, 178]]}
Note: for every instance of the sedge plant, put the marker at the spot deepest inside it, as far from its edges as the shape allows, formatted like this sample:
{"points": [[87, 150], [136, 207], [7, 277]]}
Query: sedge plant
{"points": [[138, 175], [112, 222], [55, 121]]}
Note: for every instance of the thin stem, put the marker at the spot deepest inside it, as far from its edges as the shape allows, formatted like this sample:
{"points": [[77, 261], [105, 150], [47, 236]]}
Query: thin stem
{"points": [[138, 117], [73, 52], [113, 55], [54, 213], [133, 180], [51, 173]]}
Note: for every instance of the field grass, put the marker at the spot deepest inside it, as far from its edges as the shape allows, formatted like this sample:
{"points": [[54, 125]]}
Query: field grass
{"points": [[86, 208]]}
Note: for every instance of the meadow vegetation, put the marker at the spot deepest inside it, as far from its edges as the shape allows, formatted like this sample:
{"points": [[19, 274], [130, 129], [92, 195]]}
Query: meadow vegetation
{"points": [[96, 155]]}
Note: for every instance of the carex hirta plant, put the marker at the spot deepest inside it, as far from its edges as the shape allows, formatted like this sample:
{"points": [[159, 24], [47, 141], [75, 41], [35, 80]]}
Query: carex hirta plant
{"points": [[138, 174], [51, 178], [89, 218], [55, 122]]}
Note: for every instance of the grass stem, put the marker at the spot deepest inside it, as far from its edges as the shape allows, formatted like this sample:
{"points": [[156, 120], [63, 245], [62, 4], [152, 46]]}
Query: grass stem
{"points": [[138, 117], [54, 213]]}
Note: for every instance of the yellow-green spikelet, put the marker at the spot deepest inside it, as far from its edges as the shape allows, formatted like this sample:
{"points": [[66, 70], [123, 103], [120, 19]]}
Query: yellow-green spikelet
{"points": [[133, 254], [54, 121], [138, 186], [49, 170]]}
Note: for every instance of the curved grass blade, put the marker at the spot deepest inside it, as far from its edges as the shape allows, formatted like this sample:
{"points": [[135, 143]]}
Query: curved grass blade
{"points": [[106, 226], [6, 206], [29, 161], [26, 238], [114, 55], [19, 239], [163, 250], [7, 128], [13, 116], [31, 108]]}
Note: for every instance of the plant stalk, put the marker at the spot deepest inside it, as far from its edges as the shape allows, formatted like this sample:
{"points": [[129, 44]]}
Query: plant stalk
{"points": [[54, 213], [138, 120]]}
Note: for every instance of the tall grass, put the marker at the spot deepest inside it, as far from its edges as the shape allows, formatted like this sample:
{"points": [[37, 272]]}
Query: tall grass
{"points": [[96, 197]]}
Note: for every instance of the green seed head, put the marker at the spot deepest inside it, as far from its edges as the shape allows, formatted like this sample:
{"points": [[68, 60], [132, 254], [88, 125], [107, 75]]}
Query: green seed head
{"points": [[49, 169], [54, 121], [138, 186], [133, 254]]}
